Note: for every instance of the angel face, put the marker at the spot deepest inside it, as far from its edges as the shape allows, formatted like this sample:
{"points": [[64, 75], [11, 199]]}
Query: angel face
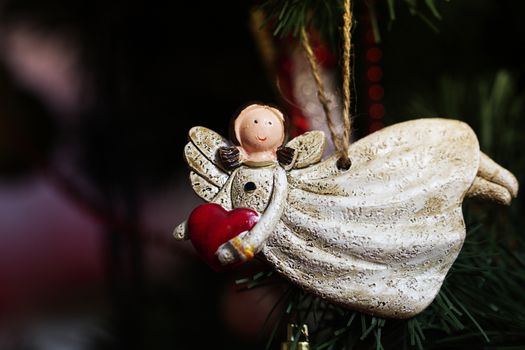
{"points": [[259, 129]]}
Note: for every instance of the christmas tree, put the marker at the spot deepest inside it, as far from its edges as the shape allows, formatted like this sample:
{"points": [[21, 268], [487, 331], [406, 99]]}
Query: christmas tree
{"points": [[102, 121]]}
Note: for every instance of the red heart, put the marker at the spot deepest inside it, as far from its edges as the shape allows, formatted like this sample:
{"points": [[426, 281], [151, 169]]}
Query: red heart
{"points": [[210, 225]]}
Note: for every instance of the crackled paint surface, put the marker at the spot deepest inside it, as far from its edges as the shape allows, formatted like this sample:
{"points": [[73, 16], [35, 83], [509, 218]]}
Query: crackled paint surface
{"points": [[379, 237]]}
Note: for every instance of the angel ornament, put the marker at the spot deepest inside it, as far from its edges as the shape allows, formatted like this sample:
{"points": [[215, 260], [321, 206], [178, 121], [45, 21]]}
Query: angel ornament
{"points": [[379, 237]]}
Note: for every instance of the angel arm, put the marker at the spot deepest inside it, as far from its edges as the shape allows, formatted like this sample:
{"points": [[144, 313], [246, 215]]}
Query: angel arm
{"points": [[247, 244]]}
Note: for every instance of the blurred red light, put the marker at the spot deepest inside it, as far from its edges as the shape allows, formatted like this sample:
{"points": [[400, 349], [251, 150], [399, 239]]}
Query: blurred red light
{"points": [[376, 92], [376, 111], [374, 55], [374, 73]]}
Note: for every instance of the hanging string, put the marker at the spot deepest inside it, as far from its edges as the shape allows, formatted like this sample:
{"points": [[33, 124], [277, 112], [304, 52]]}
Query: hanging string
{"points": [[341, 143], [320, 89], [347, 44]]}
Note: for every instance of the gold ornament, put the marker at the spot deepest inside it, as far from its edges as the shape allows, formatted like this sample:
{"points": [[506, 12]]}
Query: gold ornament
{"points": [[302, 335]]}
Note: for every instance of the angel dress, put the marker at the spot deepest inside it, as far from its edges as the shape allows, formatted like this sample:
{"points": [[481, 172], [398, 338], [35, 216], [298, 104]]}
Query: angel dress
{"points": [[379, 237]]}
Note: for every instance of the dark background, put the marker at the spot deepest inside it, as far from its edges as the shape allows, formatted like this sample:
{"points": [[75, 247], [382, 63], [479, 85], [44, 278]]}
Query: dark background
{"points": [[105, 169]]}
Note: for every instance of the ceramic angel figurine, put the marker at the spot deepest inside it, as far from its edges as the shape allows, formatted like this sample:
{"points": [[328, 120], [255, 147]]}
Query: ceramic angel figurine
{"points": [[378, 237]]}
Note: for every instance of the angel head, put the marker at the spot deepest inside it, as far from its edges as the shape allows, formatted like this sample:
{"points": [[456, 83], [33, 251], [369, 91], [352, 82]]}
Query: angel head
{"points": [[259, 128], [259, 132]]}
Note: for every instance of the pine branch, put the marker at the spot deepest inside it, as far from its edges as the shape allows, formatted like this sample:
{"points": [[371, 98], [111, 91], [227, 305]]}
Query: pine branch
{"points": [[289, 17], [480, 302]]}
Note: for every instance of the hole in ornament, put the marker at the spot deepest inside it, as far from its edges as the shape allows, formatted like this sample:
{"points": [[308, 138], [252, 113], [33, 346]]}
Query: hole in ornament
{"points": [[344, 164], [249, 187]]}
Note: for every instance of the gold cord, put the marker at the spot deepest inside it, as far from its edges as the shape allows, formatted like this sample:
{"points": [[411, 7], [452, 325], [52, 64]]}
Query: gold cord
{"points": [[347, 44], [320, 87], [341, 143]]}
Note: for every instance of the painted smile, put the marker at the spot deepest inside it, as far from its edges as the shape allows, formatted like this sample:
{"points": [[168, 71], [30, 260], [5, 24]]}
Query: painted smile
{"points": [[261, 138]]}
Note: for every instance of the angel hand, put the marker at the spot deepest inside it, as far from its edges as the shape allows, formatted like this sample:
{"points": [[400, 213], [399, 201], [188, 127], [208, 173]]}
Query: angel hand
{"points": [[181, 232], [285, 155], [230, 157], [234, 251]]}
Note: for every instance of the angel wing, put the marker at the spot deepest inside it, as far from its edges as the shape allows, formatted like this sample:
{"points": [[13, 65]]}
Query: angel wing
{"points": [[207, 174], [381, 236], [309, 148]]}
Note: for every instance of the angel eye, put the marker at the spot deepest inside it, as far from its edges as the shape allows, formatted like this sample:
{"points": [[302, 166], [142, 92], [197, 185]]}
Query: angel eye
{"points": [[256, 121], [249, 187], [270, 123]]}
